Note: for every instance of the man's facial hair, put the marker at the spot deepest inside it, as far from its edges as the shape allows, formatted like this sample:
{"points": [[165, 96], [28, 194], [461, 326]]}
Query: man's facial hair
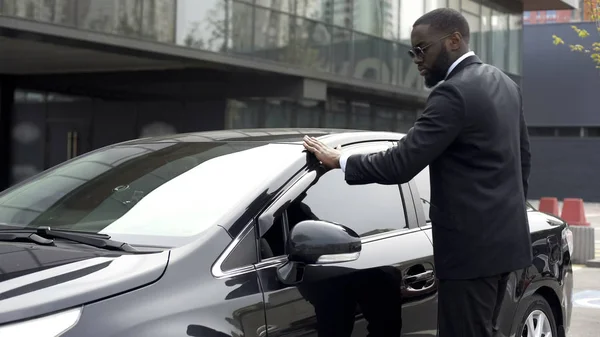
{"points": [[439, 69]]}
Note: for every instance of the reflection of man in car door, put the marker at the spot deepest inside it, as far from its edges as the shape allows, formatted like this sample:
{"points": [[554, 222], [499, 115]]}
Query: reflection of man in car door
{"points": [[375, 292]]}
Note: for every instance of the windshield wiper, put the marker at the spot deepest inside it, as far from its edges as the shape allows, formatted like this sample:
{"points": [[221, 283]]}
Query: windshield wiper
{"points": [[27, 229], [100, 242], [26, 237], [39, 234]]}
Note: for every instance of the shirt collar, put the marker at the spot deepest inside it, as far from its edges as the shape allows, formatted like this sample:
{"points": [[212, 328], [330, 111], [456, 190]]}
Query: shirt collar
{"points": [[459, 60]]}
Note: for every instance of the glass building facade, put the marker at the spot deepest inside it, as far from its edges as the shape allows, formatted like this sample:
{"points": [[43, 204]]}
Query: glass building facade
{"points": [[363, 39], [358, 40]]}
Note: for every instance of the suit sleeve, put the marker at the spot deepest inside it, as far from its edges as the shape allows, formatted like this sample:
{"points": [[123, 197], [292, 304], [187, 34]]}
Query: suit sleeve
{"points": [[525, 153], [436, 128]]}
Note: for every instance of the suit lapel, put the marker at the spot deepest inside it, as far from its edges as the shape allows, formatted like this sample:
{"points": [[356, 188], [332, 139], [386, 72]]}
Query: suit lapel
{"points": [[466, 62]]}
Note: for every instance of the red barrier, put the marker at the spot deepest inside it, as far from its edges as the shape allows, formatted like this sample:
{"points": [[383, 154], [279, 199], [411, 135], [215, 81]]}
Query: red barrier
{"points": [[573, 212], [549, 205]]}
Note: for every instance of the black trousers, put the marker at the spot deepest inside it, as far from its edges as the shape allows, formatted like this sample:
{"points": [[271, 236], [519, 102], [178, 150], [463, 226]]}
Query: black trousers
{"points": [[470, 308]]}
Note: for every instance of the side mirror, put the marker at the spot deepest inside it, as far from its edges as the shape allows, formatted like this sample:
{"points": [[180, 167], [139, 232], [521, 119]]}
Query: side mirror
{"points": [[318, 242], [322, 242]]}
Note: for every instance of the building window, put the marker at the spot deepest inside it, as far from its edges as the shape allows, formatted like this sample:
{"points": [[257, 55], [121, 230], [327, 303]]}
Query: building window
{"points": [[568, 132], [485, 51], [515, 35], [541, 132], [334, 36], [435, 4], [470, 6], [474, 21], [499, 39], [410, 11], [454, 4], [591, 132], [564, 131]]}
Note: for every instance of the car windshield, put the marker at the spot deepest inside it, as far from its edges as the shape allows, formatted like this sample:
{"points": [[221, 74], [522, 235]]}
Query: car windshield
{"points": [[154, 193]]}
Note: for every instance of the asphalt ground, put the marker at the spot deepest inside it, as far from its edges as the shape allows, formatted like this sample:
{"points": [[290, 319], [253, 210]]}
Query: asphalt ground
{"points": [[585, 319]]}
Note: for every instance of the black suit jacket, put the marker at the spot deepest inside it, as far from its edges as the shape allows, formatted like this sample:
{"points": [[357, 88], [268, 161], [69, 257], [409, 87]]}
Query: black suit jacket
{"points": [[473, 136]]}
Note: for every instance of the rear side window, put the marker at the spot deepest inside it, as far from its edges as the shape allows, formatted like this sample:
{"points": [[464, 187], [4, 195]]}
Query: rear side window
{"points": [[367, 209]]}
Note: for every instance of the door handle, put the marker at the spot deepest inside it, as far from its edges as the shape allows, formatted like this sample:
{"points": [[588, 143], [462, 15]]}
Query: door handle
{"points": [[420, 282], [425, 276], [263, 330]]}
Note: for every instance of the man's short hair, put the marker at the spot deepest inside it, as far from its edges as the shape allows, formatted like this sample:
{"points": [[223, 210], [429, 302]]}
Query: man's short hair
{"points": [[445, 21]]}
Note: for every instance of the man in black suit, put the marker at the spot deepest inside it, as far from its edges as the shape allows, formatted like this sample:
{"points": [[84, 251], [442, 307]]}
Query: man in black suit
{"points": [[473, 136]]}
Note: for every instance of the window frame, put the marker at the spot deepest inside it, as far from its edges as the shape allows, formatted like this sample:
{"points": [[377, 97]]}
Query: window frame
{"points": [[217, 268], [263, 221], [256, 228], [248, 233], [416, 199], [279, 207]]}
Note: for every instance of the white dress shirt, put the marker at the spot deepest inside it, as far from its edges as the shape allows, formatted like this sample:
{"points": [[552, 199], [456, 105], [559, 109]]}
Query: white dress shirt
{"points": [[344, 156]]}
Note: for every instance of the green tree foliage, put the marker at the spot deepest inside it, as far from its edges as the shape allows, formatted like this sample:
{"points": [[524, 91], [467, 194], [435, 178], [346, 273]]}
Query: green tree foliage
{"points": [[593, 48]]}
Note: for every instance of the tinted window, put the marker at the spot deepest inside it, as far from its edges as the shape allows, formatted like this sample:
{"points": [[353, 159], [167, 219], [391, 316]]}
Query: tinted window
{"points": [[367, 209], [422, 182], [272, 243], [244, 254]]}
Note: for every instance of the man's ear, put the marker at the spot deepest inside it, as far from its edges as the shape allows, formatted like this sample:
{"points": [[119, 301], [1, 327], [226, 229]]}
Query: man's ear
{"points": [[455, 41]]}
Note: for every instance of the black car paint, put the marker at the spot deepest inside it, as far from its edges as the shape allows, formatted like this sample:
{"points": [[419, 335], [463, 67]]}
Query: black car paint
{"points": [[183, 292], [64, 284]]}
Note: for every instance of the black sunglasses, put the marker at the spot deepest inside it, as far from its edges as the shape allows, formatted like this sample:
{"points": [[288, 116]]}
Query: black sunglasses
{"points": [[420, 51]]}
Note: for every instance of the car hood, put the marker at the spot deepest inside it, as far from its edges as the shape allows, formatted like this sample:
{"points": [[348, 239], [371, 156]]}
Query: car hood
{"points": [[36, 280]]}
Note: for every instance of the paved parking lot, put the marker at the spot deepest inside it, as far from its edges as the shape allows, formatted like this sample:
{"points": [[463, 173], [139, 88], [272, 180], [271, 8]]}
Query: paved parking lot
{"points": [[585, 321]]}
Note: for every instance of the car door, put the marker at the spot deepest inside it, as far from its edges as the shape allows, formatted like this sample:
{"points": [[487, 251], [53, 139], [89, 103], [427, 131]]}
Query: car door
{"points": [[390, 288]]}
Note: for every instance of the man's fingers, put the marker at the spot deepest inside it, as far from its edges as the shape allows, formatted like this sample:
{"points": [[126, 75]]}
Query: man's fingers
{"points": [[311, 143], [316, 144], [309, 147]]}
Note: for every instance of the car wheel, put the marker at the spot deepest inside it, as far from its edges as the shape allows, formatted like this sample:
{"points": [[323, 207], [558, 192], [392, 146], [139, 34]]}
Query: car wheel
{"points": [[537, 319]]}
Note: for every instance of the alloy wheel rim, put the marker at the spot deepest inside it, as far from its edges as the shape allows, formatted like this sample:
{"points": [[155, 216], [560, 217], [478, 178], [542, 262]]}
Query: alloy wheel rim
{"points": [[537, 325]]}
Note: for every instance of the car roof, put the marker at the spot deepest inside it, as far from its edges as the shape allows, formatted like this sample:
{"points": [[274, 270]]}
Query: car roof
{"points": [[276, 135]]}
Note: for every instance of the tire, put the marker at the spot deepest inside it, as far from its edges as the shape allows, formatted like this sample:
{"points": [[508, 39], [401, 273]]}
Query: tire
{"points": [[535, 310]]}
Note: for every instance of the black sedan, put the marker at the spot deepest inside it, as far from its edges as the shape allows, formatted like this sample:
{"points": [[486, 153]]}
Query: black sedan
{"points": [[241, 233]]}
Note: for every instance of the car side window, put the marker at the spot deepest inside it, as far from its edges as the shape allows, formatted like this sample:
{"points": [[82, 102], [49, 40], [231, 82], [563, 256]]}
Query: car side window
{"points": [[422, 182], [367, 209], [272, 243]]}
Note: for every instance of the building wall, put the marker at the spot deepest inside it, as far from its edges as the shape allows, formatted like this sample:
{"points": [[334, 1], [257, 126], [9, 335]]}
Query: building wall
{"points": [[560, 90], [49, 128], [542, 17], [565, 168], [301, 33], [560, 86], [589, 8], [583, 13], [366, 40]]}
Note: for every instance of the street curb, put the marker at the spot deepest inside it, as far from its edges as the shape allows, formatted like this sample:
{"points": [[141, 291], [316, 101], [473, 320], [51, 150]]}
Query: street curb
{"points": [[595, 263]]}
